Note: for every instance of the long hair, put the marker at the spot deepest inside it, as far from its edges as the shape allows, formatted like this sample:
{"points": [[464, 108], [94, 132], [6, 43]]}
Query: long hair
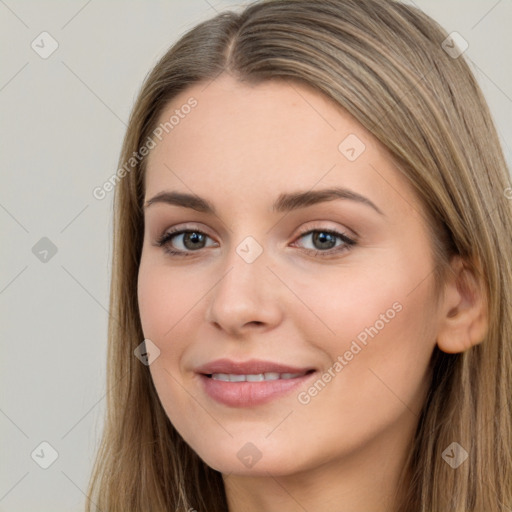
{"points": [[385, 63]]}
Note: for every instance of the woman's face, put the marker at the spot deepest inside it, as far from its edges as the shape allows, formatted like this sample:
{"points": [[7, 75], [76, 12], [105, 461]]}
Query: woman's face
{"points": [[328, 296]]}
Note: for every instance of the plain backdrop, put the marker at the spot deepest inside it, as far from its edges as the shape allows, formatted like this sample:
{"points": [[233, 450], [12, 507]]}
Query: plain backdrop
{"points": [[62, 122]]}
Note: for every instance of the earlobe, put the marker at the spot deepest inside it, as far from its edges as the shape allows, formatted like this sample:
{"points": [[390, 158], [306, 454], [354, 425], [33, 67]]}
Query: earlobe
{"points": [[463, 321]]}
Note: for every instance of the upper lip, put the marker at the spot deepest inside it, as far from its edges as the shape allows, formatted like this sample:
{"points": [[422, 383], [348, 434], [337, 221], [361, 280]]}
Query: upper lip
{"points": [[250, 367]]}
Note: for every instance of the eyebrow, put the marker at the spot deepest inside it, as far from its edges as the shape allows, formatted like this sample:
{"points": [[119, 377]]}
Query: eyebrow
{"points": [[284, 203]]}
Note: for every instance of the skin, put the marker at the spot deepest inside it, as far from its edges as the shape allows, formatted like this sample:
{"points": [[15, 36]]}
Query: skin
{"points": [[239, 148]]}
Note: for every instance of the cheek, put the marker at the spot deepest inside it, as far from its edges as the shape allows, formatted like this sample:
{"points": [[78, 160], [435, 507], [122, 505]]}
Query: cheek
{"points": [[170, 313], [377, 369], [153, 301], [384, 299], [164, 299], [384, 338], [379, 326]]}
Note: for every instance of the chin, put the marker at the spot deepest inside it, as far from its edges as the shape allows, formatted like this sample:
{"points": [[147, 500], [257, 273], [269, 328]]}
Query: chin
{"points": [[243, 457]]}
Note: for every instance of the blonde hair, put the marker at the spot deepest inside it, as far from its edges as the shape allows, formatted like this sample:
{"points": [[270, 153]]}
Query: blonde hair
{"points": [[384, 63]]}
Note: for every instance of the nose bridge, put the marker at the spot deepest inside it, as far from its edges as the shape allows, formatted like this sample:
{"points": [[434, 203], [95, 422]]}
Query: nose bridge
{"points": [[245, 275], [245, 265], [244, 293]]}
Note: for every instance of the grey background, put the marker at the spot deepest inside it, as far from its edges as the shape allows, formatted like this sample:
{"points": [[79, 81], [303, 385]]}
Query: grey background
{"points": [[62, 123]]}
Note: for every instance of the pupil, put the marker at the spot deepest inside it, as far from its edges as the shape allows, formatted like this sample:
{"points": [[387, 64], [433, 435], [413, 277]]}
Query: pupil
{"points": [[193, 237], [321, 237]]}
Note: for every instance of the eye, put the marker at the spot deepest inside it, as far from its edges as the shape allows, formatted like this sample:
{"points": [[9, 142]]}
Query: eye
{"points": [[192, 240], [324, 241]]}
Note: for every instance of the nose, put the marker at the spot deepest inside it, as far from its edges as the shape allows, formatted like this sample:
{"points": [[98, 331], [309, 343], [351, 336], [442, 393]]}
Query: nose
{"points": [[246, 297]]}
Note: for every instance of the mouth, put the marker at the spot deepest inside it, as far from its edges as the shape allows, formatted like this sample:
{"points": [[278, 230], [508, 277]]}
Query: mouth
{"points": [[256, 377], [250, 383]]}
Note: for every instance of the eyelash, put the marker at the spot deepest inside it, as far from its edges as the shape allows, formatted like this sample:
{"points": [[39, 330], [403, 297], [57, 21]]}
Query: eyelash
{"points": [[164, 242]]}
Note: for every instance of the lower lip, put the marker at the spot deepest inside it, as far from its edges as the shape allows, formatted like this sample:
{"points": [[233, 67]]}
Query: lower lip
{"points": [[248, 394]]}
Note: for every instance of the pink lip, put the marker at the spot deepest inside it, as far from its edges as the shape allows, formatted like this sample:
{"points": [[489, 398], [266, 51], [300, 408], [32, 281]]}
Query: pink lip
{"points": [[248, 394]]}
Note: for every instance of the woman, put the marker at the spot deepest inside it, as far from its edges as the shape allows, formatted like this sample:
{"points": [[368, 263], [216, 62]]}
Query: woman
{"points": [[312, 237]]}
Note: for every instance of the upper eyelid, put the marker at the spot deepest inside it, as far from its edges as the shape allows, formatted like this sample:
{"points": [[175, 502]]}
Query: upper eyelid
{"points": [[302, 231]]}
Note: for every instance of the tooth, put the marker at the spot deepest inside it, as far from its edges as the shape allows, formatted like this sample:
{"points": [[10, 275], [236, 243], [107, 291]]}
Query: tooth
{"points": [[255, 378], [221, 376], [236, 378], [233, 377]]}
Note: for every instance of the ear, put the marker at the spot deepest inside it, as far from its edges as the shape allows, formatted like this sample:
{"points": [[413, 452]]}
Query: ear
{"points": [[463, 322]]}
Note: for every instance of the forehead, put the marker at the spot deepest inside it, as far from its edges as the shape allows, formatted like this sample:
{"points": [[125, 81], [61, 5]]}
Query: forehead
{"points": [[297, 112], [264, 138]]}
